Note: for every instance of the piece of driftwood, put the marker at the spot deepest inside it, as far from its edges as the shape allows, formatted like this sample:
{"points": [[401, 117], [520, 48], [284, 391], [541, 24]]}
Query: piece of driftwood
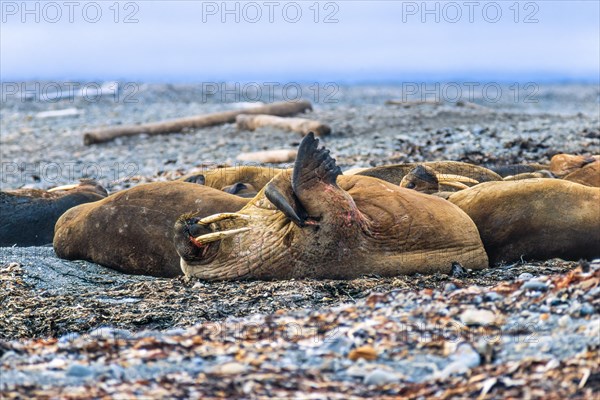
{"points": [[410, 103], [199, 121], [269, 156], [300, 125]]}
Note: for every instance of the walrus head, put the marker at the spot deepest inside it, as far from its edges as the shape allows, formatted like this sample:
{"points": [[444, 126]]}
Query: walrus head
{"points": [[425, 179], [240, 189], [197, 239]]}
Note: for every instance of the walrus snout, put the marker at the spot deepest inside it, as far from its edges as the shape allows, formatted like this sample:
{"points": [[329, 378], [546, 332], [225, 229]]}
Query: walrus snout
{"points": [[185, 230], [197, 239]]}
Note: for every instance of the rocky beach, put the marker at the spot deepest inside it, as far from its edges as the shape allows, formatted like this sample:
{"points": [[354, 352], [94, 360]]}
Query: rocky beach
{"points": [[74, 329]]}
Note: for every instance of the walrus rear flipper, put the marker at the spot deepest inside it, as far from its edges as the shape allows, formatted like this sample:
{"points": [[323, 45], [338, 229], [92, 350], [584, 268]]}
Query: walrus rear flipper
{"points": [[314, 182], [279, 192], [313, 166]]}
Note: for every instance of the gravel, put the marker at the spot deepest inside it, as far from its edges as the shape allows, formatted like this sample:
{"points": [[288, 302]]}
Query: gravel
{"points": [[85, 330]]}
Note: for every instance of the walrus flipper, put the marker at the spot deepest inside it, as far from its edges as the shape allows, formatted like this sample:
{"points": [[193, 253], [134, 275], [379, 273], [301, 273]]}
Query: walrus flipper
{"points": [[313, 166], [198, 178], [279, 192]]}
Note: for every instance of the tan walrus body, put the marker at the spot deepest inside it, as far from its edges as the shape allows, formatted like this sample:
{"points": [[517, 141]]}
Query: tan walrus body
{"points": [[227, 178], [534, 219], [562, 165], [305, 225], [130, 231], [588, 175]]}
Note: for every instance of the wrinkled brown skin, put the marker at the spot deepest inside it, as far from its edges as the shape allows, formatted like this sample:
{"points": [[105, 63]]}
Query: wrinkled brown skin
{"points": [[534, 219], [562, 165], [358, 226], [589, 175], [220, 178], [395, 173], [130, 231], [29, 215]]}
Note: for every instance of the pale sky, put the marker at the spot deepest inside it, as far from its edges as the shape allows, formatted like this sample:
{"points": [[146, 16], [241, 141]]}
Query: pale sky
{"points": [[187, 41]]}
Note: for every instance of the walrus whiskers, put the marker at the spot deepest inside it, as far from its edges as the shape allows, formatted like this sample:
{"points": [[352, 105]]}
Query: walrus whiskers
{"points": [[213, 237]]}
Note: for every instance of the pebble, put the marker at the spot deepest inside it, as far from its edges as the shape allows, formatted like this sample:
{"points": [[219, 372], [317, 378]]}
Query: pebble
{"points": [[79, 371], [493, 296], [587, 309], [544, 309], [458, 271], [564, 321], [477, 317], [450, 287], [379, 377], [536, 285], [525, 276], [230, 368]]}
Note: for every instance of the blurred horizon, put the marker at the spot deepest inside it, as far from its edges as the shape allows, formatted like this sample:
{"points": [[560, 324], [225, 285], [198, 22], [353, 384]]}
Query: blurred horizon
{"points": [[354, 42]]}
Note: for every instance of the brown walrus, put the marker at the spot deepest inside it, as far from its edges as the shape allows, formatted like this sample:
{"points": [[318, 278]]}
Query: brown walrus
{"points": [[305, 225], [516, 169], [130, 230], [425, 180], [29, 215], [534, 219], [542, 173], [562, 165], [225, 179], [395, 173], [589, 175]]}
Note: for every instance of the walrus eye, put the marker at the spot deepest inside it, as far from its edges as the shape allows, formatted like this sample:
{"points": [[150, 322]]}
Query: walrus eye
{"points": [[411, 185]]}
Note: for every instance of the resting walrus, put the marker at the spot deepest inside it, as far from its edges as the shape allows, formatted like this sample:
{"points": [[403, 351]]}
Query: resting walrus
{"points": [[426, 180], [534, 218], [589, 175], [305, 225], [395, 173], [562, 165], [127, 231], [227, 179], [29, 215]]}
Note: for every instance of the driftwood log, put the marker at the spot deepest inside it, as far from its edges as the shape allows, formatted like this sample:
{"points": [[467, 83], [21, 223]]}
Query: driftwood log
{"points": [[269, 156], [410, 103], [199, 121], [300, 125]]}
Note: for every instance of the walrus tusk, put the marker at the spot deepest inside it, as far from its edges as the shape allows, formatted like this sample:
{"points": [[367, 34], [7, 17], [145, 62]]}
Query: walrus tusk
{"points": [[457, 185], [220, 217], [445, 178], [64, 187], [213, 237]]}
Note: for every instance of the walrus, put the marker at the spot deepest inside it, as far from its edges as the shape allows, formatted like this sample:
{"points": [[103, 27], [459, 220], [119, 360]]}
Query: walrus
{"points": [[589, 175], [534, 219], [562, 165], [29, 215], [425, 180], [516, 169], [542, 173], [221, 177], [394, 173], [314, 222], [130, 230]]}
